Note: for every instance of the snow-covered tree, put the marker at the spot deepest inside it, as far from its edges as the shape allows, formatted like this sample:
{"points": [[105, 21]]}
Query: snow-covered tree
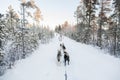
{"points": [[2, 44]]}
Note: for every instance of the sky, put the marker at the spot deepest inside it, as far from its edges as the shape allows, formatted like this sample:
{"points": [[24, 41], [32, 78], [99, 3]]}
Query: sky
{"points": [[54, 12]]}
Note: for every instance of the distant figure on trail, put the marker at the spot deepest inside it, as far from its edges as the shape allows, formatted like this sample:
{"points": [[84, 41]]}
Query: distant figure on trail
{"points": [[59, 55], [66, 58], [63, 46]]}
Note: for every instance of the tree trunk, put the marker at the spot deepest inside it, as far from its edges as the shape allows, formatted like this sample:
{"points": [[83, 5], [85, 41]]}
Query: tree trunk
{"points": [[23, 26]]}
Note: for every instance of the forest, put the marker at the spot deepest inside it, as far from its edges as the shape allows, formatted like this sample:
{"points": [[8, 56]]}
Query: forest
{"points": [[97, 24], [18, 36]]}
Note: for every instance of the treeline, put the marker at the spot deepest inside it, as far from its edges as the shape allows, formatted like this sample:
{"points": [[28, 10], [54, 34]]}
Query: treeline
{"points": [[97, 23], [19, 37]]}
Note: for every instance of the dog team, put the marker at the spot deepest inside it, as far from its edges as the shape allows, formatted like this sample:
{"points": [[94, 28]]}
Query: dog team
{"points": [[66, 55]]}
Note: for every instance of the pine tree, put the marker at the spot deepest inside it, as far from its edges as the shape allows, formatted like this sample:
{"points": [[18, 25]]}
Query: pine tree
{"points": [[102, 18], [116, 17], [2, 38]]}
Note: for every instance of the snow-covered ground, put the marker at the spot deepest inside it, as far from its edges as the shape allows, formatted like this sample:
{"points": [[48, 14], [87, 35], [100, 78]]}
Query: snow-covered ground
{"points": [[86, 63]]}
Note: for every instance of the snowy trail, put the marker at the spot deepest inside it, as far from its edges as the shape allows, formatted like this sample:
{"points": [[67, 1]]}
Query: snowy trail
{"points": [[86, 63]]}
